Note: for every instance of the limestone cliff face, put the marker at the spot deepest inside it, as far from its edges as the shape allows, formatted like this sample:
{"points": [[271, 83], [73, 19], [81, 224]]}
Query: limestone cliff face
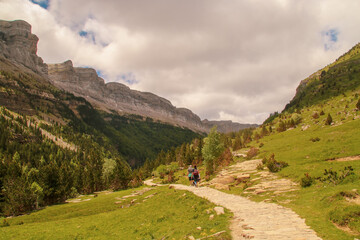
{"points": [[116, 96], [19, 45]]}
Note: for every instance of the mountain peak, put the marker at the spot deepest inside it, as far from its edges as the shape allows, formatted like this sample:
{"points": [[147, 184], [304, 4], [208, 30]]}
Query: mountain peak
{"points": [[19, 45]]}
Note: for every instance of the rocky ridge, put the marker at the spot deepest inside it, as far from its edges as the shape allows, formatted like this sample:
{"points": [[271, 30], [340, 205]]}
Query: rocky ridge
{"points": [[116, 96], [19, 45]]}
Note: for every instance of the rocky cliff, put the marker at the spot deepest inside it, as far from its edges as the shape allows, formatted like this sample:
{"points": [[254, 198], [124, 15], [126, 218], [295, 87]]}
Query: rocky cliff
{"points": [[116, 96], [19, 45]]}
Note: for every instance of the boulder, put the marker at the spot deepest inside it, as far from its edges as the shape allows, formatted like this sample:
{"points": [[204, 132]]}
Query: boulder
{"points": [[220, 186], [243, 177], [219, 210], [223, 180]]}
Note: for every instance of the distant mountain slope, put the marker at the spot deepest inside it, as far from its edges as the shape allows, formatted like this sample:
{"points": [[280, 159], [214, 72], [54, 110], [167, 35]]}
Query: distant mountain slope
{"points": [[116, 96], [26, 89], [331, 81], [227, 126]]}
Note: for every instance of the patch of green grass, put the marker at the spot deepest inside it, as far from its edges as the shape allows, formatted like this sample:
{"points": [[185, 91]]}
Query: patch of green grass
{"points": [[170, 213], [321, 204]]}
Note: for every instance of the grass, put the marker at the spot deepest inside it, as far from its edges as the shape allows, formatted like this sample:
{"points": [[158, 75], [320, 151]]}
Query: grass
{"points": [[170, 214], [321, 204]]}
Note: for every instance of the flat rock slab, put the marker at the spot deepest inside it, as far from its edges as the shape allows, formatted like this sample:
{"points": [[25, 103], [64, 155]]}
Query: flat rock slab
{"points": [[253, 220]]}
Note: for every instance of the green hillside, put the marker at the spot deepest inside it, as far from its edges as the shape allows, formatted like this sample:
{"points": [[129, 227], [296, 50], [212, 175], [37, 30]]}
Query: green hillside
{"points": [[318, 136], [337, 78], [133, 138], [142, 213], [54, 145]]}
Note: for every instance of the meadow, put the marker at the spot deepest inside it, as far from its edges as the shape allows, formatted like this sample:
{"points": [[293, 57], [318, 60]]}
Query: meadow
{"points": [[156, 213]]}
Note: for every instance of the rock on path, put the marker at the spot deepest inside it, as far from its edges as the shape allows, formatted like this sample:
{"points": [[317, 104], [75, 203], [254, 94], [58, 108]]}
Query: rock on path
{"points": [[253, 220]]}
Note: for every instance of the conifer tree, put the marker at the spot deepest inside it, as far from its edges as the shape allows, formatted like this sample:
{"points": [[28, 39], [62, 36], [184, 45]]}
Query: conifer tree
{"points": [[328, 120]]}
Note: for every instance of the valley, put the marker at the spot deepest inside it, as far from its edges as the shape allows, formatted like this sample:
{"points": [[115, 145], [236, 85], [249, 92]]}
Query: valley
{"points": [[76, 152]]}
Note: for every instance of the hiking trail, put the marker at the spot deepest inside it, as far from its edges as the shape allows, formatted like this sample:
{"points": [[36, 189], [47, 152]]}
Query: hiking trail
{"points": [[254, 220]]}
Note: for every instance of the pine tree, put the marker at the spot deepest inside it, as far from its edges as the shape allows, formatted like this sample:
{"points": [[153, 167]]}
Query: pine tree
{"points": [[328, 120]]}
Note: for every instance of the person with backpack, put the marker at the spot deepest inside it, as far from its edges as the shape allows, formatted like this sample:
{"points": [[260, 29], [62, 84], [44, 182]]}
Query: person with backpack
{"points": [[196, 176], [190, 174]]}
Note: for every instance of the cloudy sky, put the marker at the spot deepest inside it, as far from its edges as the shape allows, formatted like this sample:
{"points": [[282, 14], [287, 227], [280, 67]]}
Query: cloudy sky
{"points": [[224, 59]]}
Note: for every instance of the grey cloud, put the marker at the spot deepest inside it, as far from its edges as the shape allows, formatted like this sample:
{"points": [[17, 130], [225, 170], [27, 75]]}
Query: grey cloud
{"points": [[240, 59]]}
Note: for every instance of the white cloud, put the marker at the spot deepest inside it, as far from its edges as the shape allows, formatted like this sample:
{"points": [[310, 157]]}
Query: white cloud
{"points": [[236, 59]]}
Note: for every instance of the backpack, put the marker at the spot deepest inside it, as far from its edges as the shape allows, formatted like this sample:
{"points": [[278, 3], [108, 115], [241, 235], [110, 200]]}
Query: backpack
{"points": [[196, 172]]}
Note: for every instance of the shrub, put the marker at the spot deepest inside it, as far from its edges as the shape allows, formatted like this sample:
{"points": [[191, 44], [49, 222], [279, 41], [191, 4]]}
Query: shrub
{"points": [[358, 105], [306, 181], [260, 166], [335, 177], [264, 160], [315, 116], [281, 127], [275, 166], [252, 153], [316, 139], [328, 120], [322, 113], [297, 118]]}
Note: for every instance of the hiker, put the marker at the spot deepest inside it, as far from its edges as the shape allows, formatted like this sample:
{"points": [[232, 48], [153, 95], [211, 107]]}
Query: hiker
{"points": [[190, 173], [196, 176]]}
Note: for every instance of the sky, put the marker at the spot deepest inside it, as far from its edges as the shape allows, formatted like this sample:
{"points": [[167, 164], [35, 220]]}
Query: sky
{"points": [[236, 60]]}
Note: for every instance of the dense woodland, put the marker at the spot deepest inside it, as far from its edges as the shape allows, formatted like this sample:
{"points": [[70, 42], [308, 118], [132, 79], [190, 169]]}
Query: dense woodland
{"points": [[35, 171]]}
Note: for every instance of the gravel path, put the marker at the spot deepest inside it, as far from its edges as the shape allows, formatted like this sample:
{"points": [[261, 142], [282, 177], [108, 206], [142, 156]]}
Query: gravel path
{"points": [[253, 220]]}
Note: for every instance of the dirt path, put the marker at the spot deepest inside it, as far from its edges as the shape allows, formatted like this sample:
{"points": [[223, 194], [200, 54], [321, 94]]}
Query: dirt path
{"points": [[253, 220]]}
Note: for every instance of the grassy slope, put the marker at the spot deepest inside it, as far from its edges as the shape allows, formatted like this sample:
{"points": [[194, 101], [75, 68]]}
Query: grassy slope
{"points": [[319, 201], [170, 213]]}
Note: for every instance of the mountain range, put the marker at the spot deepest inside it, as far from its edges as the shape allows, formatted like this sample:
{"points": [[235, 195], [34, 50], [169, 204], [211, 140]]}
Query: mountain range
{"points": [[19, 45]]}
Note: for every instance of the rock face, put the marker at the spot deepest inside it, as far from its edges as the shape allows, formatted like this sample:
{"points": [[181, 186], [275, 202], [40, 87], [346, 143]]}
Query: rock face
{"points": [[19, 45], [227, 126], [116, 96]]}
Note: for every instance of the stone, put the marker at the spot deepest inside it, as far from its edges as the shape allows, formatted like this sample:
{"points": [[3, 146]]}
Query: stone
{"points": [[199, 228], [219, 186], [243, 177], [191, 238], [219, 210], [224, 180], [211, 217]]}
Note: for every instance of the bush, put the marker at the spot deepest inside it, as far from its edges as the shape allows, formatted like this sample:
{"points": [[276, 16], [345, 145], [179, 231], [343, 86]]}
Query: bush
{"points": [[260, 166], [315, 116], [328, 120], [275, 166], [335, 177], [264, 160], [306, 181], [316, 139], [252, 153], [358, 105], [297, 118]]}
